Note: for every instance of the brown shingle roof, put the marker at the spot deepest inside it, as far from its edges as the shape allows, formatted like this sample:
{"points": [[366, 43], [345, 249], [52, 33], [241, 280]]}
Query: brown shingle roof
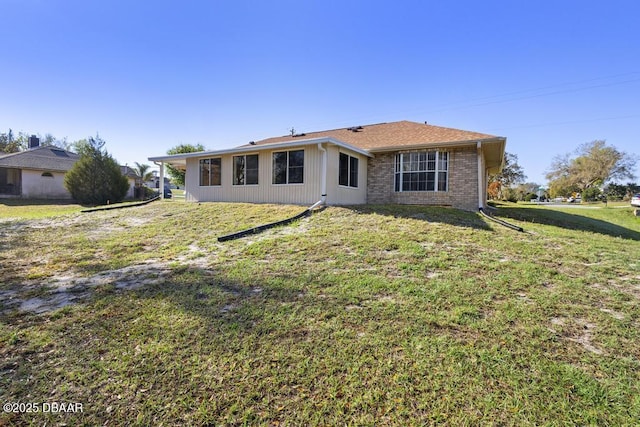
{"points": [[385, 136]]}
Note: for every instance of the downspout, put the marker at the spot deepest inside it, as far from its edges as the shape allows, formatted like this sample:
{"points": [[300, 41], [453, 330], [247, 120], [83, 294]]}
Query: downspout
{"points": [[323, 175], [161, 180], [480, 177], [501, 222]]}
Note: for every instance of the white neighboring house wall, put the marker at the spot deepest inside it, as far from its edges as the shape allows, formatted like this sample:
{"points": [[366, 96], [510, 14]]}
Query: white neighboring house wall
{"points": [[131, 190], [38, 184]]}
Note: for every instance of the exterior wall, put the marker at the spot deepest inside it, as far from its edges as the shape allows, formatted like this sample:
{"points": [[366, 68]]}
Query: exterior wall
{"points": [[36, 186], [132, 186], [462, 190], [483, 176], [375, 181], [340, 194], [265, 191]]}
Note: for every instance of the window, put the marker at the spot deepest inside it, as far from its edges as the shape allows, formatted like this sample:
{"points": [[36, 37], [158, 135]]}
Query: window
{"points": [[288, 167], [424, 171], [245, 170], [47, 174], [210, 171], [348, 171]]}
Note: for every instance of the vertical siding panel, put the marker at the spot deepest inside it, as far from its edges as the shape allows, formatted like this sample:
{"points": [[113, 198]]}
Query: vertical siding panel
{"points": [[339, 195], [265, 191]]}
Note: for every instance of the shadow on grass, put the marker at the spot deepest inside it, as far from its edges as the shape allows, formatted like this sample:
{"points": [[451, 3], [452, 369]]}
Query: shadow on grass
{"points": [[137, 334], [567, 221], [444, 215]]}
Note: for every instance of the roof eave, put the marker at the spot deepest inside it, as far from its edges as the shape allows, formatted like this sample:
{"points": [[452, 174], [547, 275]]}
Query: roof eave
{"points": [[179, 158], [444, 144], [495, 157]]}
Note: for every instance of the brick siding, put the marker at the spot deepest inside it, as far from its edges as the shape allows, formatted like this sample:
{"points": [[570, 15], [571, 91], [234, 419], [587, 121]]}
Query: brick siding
{"points": [[462, 189]]}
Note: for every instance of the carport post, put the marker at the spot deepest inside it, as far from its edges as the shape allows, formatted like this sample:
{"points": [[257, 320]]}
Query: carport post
{"points": [[161, 184]]}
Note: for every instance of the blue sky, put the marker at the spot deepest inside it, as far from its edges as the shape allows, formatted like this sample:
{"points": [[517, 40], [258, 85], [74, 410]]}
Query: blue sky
{"points": [[147, 76]]}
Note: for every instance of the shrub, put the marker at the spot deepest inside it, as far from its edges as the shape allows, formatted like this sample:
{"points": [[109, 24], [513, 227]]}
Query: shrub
{"points": [[591, 194], [96, 179]]}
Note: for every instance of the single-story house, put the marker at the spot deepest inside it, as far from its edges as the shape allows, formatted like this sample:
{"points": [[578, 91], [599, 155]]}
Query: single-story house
{"points": [[400, 162], [38, 173], [134, 181]]}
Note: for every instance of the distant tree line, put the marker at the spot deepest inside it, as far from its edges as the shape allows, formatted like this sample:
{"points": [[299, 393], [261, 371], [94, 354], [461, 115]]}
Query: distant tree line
{"points": [[11, 142], [591, 171]]}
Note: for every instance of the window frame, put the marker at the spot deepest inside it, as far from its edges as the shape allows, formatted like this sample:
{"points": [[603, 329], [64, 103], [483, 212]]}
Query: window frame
{"points": [[351, 174], [236, 180], [421, 171], [287, 168], [211, 173]]}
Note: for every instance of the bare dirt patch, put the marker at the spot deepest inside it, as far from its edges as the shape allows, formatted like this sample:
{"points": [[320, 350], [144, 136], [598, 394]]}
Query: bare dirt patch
{"points": [[41, 282], [577, 330], [63, 290]]}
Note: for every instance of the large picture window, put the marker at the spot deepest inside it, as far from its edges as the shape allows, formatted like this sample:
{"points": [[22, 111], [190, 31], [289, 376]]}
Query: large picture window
{"points": [[210, 171], [288, 167], [348, 170], [423, 171], [245, 170]]}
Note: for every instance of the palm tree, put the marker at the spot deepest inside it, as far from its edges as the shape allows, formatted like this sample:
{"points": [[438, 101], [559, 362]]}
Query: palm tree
{"points": [[144, 175], [143, 172]]}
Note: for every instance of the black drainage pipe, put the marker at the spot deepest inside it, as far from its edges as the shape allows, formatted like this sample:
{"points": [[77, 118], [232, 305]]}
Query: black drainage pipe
{"points": [[264, 227], [501, 222], [122, 206]]}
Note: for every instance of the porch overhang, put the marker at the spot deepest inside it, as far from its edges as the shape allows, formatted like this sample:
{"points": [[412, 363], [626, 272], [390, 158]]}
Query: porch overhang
{"points": [[179, 161]]}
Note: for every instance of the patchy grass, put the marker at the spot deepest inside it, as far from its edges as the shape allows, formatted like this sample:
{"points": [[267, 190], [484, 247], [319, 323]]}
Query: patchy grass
{"points": [[385, 315], [33, 209]]}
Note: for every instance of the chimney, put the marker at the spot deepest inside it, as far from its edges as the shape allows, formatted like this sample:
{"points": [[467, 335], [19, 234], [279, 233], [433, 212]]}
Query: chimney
{"points": [[34, 141]]}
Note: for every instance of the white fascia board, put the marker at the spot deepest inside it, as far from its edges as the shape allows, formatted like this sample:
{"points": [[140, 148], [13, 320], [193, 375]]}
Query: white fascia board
{"points": [[347, 146], [256, 148]]}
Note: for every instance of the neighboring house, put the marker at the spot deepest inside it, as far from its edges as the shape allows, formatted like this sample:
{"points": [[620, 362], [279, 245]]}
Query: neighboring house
{"points": [[401, 162], [38, 173], [134, 181], [154, 182]]}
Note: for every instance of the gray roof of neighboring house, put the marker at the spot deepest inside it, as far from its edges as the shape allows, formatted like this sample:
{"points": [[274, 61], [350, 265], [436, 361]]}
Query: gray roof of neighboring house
{"points": [[128, 172], [42, 158]]}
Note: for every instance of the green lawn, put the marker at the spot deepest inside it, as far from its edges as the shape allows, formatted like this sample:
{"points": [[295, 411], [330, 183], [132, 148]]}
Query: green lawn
{"points": [[371, 315], [30, 209]]}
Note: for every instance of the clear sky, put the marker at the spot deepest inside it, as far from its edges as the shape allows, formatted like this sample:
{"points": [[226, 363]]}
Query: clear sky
{"points": [[149, 75]]}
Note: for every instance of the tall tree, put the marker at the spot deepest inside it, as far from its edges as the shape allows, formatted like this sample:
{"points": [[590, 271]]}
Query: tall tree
{"points": [[592, 164], [51, 140], [511, 174], [8, 143], [96, 177], [177, 175]]}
